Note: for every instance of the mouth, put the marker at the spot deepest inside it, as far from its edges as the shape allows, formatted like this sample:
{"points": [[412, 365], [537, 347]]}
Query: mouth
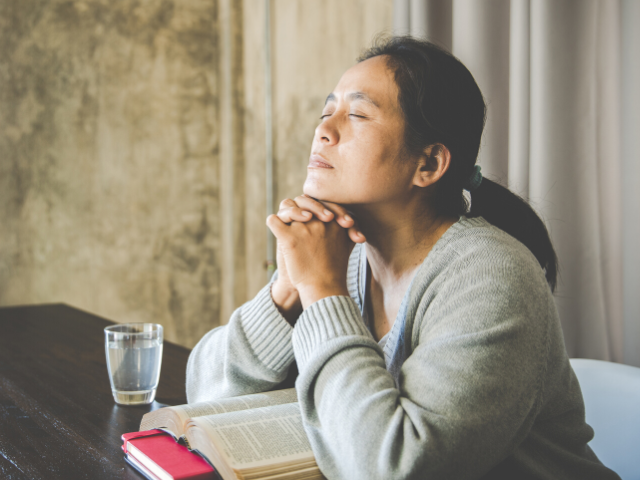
{"points": [[316, 161]]}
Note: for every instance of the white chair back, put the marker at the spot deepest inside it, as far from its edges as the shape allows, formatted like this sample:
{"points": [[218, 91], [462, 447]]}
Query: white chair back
{"points": [[611, 394]]}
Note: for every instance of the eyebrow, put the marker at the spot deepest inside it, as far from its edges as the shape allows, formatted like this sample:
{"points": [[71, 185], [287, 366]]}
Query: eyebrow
{"points": [[353, 96]]}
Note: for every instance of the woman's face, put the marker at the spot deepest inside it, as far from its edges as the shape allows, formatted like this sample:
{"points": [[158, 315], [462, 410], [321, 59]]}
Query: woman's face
{"points": [[357, 155]]}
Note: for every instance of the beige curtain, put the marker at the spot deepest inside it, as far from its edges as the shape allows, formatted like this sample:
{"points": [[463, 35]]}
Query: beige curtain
{"points": [[561, 83]]}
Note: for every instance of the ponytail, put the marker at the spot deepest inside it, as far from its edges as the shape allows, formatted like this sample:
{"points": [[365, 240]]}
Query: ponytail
{"points": [[511, 213]]}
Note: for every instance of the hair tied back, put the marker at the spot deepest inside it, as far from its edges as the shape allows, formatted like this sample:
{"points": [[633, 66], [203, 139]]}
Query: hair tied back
{"points": [[475, 179]]}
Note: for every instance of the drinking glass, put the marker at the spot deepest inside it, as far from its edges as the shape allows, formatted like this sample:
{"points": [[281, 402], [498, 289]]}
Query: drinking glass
{"points": [[134, 357]]}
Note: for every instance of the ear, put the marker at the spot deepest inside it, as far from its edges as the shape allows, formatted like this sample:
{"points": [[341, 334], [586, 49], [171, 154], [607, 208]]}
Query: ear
{"points": [[432, 165]]}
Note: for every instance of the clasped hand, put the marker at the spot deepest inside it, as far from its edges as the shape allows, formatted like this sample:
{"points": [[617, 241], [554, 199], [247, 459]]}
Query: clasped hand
{"points": [[315, 240]]}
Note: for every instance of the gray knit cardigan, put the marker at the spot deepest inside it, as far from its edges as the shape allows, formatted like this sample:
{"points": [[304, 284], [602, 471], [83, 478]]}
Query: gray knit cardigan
{"points": [[473, 382]]}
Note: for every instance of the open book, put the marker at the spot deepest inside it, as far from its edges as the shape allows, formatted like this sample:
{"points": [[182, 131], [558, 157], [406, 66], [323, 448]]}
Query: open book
{"points": [[258, 436]]}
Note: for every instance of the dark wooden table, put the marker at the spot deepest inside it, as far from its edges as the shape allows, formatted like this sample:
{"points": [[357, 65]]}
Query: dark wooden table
{"points": [[58, 419]]}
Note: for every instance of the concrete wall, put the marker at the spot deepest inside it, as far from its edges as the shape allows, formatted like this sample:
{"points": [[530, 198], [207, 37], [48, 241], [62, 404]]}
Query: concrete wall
{"points": [[132, 146]]}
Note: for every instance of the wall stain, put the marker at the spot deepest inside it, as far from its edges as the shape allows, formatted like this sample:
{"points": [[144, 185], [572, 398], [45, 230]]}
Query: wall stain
{"points": [[110, 148], [108, 159]]}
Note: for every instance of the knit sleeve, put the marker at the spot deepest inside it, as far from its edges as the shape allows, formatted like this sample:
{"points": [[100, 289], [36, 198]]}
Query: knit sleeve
{"points": [[466, 395], [252, 353]]}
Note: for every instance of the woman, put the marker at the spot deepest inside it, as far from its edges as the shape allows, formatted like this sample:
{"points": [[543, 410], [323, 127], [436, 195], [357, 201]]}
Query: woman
{"points": [[425, 335]]}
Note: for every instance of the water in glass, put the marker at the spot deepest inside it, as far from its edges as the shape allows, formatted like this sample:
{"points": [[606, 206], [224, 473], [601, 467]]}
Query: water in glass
{"points": [[134, 360]]}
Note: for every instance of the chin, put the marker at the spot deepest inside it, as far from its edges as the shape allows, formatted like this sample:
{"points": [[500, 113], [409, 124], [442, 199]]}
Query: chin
{"points": [[318, 191]]}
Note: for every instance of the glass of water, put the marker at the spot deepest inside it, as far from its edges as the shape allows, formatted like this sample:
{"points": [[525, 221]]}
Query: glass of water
{"points": [[134, 356]]}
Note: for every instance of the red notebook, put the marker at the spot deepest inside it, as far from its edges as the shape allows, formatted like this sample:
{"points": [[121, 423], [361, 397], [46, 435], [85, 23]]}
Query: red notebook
{"points": [[164, 458]]}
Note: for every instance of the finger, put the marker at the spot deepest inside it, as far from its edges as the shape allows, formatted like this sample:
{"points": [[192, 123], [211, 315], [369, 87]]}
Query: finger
{"points": [[342, 216], [287, 202], [356, 235], [277, 226], [305, 202], [290, 214], [345, 220]]}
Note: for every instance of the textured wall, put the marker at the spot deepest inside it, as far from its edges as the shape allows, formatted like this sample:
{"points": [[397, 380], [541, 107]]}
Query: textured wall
{"points": [[314, 42], [108, 147], [132, 146]]}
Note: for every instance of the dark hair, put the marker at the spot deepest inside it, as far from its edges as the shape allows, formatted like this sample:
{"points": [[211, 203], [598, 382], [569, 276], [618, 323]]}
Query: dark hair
{"points": [[442, 104]]}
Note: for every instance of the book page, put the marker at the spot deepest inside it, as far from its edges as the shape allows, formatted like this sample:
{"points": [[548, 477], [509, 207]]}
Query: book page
{"points": [[234, 404], [170, 419], [258, 437], [174, 418]]}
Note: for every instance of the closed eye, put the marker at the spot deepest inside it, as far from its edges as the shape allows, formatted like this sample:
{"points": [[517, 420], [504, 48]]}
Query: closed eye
{"points": [[322, 117]]}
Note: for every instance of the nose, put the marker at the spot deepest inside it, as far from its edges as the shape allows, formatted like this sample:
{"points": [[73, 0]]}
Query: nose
{"points": [[327, 132]]}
